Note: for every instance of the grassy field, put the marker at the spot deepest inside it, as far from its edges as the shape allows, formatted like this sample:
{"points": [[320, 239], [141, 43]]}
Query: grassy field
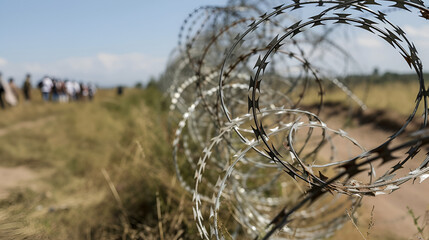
{"points": [[101, 165], [398, 97], [104, 168]]}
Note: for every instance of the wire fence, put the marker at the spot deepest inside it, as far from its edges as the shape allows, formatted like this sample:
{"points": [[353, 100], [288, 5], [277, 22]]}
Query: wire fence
{"points": [[258, 161]]}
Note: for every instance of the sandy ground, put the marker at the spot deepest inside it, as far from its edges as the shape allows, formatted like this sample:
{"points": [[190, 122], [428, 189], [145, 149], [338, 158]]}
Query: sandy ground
{"points": [[21, 176], [390, 215], [13, 177]]}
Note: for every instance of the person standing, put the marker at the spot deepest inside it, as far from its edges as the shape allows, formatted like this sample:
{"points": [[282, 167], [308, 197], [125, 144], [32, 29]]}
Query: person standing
{"points": [[91, 91], [77, 93], [26, 88], [1, 94], [55, 90], [62, 91], [14, 89], [119, 90], [9, 97], [69, 90], [46, 88]]}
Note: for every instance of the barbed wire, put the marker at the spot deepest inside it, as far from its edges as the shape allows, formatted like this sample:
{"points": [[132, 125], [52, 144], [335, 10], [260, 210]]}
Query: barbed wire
{"points": [[256, 158]]}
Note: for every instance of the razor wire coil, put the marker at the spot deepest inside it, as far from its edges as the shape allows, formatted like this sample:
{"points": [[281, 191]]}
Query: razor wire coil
{"points": [[257, 160]]}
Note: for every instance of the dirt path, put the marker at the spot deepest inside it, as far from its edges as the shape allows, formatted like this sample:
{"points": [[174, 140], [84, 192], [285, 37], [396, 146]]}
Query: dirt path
{"points": [[390, 213], [13, 177], [26, 124]]}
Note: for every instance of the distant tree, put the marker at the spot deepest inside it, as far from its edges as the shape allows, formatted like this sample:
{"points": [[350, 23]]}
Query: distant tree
{"points": [[138, 85], [376, 72], [153, 83]]}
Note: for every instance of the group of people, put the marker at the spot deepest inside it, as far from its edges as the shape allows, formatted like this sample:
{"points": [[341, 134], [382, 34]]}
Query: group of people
{"points": [[52, 89], [64, 91]]}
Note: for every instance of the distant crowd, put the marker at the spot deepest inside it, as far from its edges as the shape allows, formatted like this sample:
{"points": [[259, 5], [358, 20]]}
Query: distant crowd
{"points": [[52, 89], [64, 91]]}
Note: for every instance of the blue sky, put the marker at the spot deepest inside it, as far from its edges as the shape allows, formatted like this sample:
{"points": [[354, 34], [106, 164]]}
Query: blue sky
{"points": [[48, 35], [119, 42]]}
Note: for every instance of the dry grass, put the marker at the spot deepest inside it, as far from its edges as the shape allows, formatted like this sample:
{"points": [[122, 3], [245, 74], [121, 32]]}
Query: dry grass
{"points": [[104, 162], [398, 97], [121, 136]]}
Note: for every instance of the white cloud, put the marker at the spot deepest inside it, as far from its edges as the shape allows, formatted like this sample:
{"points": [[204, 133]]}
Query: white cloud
{"points": [[419, 35], [417, 32], [133, 61], [370, 42], [3, 62], [104, 68], [371, 51]]}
